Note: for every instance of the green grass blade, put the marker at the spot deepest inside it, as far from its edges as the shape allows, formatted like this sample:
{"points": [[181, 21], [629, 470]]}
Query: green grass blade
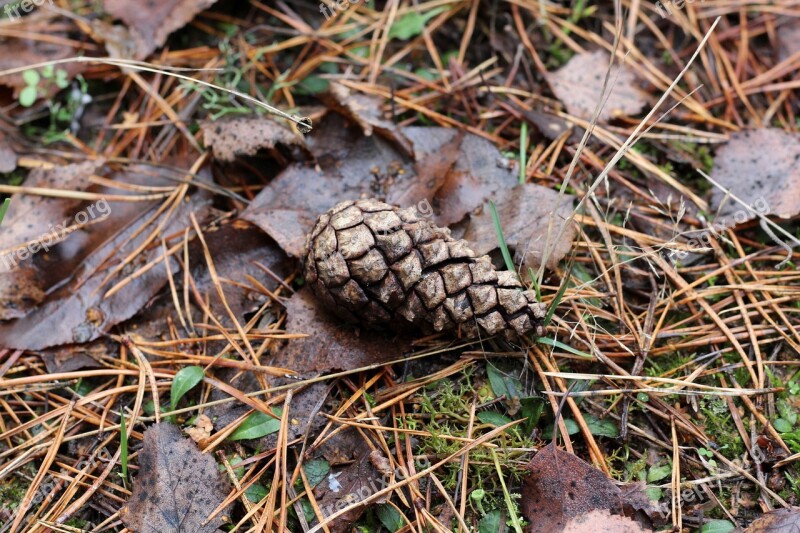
{"points": [[557, 344], [523, 152], [4, 208], [500, 239], [123, 445]]}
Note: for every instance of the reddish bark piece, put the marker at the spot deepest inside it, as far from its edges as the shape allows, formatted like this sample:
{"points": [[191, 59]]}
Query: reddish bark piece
{"points": [[151, 22], [759, 167], [579, 86], [177, 488]]}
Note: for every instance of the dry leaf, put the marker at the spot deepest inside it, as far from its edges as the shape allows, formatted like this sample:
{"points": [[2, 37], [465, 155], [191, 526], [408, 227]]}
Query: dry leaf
{"points": [[761, 168], [602, 520], [560, 487], [177, 488], [8, 157], [524, 213], [788, 39], [246, 136], [202, 428], [579, 85], [779, 521], [150, 24], [24, 52], [78, 311]]}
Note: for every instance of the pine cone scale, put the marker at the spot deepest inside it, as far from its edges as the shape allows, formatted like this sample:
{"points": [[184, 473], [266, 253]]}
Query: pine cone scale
{"points": [[373, 263]]}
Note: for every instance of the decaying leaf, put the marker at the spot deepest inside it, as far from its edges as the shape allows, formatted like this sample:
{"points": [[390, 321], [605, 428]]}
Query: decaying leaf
{"points": [[331, 345], [602, 520], [788, 38], [761, 168], [25, 275], [560, 487], [8, 157], [246, 136], [579, 85], [177, 488], [202, 428], [78, 311], [152, 23], [525, 216], [778, 521], [19, 53], [347, 486]]}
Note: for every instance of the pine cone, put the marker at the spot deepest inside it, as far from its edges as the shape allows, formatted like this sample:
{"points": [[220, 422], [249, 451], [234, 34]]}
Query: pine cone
{"points": [[375, 264]]}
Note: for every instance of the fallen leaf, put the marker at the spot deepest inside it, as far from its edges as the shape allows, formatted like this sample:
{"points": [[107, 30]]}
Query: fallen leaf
{"points": [[366, 112], [202, 428], [177, 488], [778, 521], [579, 86], [331, 345], [19, 53], [788, 38], [150, 24], [759, 167], [24, 280], [560, 487], [246, 136], [347, 486], [524, 213], [602, 520], [78, 311], [8, 157]]}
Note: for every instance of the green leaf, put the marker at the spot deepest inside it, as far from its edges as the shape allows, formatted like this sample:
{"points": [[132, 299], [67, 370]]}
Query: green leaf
{"points": [[657, 473], [316, 471], [601, 428], [312, 85], [494, 418], [492, 522], [787, 412], [27, 97], [717, 526], [572, 428], [62, 79], [412, 24], [502, 383], [389, 517], [31, 78], [782, 426], [47, 71], [255, 492], [532, 409], [185, 380], [257, 425], [654, 493], [123, 448]]}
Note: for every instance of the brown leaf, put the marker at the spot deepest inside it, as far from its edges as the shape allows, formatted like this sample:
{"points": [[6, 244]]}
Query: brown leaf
{"points": [[560, 487], [778, 521], [365, 110], [331, 345], [348, 486], [25, 277], [759, 167], [602, 520], [150, 24], [524, 213], [24, 52], [579, 85], [8, 157], [78, 311], [788, 38], [246, 136], [177, 488]]}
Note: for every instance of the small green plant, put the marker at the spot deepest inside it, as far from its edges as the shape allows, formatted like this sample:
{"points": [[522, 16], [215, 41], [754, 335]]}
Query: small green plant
{"points": [[37, 84], [123, 449]]}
